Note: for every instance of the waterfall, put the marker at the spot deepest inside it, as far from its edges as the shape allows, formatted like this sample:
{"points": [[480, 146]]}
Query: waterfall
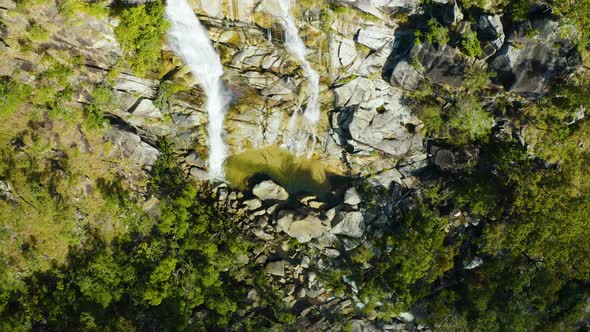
{"points": [[189, 39], [297, 141]]}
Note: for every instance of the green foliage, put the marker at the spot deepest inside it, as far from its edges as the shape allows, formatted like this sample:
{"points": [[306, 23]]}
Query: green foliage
{"points": [[102, 99], [141, 33], [470, 44], [72, 8], [165, 91], [37, 33], [469, 122], [578, 14], [435, 33], [12, 95]]}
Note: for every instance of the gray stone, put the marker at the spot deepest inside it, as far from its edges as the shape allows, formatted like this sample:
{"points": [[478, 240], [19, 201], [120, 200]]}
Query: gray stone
{"points": [[275, 268], [6, 191], [332, 253], [352, 225], [352, 197], [304, 230], [476, 262], [375, 37], [253, 296], [491, 33], [132, 84], [261, 234], [268, 190], [526, 66], [147, 109], [405, 76], [261, 259], [131, 145], [199, 174], [253, 204]]}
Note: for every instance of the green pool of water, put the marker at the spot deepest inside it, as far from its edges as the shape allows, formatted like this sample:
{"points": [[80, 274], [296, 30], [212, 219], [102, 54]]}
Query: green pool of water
{"points": [[296, 174]]}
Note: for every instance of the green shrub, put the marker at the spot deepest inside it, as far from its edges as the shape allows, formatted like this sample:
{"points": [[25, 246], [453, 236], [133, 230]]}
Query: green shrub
{"points": [[141, 33], [12, 95], [468, 121], [434, 34], [71, 8], [38, 33], [470, 44]]}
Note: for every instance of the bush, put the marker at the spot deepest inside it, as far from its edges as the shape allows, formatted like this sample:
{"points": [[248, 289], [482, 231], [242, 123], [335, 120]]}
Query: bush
{"points": [[12, 95], [470, 45], [435, 33], [141, 33]]}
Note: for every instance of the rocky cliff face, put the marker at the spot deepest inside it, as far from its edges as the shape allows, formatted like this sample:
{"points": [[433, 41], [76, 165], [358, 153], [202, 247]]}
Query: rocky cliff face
{"points": [[365, 129]]}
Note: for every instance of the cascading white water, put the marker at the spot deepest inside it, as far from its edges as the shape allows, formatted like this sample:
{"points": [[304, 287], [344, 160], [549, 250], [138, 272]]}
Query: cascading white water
{"points": [[189, 39], [297, 141]]}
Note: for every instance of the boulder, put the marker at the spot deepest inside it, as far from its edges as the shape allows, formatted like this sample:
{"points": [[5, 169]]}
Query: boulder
{"points": [[405, 76], [270, 191], [304, 230], [379, 124], [526, 65], [275, 268], [375, 37], [253, 204], [476, 262], [491, 33], [352, 225], [453, 160], [352, 197]]}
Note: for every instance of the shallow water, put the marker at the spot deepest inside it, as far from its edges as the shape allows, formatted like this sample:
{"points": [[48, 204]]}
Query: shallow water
{"points": [[297, 174]]}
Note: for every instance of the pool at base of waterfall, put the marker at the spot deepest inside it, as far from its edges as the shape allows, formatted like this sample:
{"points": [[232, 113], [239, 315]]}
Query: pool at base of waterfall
{"points": [[297, 174]]}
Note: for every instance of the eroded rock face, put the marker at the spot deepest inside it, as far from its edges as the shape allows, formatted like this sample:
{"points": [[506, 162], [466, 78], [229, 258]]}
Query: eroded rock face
{"points": [[491, 32], [130, 145]]}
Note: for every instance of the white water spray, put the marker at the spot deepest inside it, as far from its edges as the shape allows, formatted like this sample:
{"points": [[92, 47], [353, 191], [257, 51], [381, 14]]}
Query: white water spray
{"points": [[189, 39], [297, 141]]}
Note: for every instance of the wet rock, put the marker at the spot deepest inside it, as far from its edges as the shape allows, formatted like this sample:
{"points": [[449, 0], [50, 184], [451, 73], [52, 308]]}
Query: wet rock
{"points": [[352, 225], [268, 190]]}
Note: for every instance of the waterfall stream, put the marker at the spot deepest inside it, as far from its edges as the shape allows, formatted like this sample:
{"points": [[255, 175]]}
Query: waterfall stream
{"points": [[189, 39], [296, 139]]}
